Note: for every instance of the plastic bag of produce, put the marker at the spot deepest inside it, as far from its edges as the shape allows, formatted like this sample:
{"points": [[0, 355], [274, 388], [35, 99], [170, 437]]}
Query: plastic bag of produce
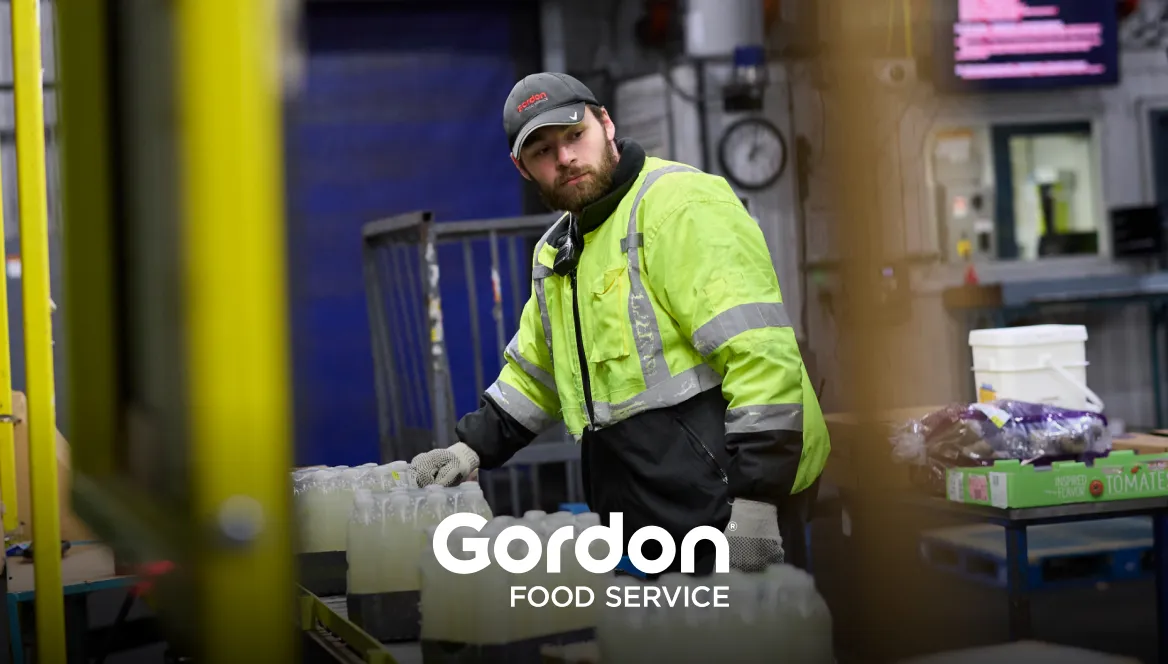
{"points": [[981, 433]]}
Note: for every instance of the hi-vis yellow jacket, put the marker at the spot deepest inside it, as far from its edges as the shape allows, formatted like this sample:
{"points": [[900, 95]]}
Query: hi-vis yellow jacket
{"points": [[667, 350]]}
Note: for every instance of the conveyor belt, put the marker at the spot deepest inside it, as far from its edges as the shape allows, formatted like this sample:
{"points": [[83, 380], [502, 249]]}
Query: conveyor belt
{"points": [[403, 653], [321, 645]]}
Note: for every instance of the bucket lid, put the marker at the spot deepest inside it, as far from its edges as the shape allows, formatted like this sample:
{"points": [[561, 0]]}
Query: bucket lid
{"points": [[1032, 335]]}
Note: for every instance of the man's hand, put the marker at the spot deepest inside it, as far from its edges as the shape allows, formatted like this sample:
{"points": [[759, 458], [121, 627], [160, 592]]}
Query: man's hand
{"points": [[445, 467], [753, 536]]}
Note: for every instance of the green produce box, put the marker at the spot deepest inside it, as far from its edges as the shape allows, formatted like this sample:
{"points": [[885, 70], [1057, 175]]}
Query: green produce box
{"points": [[1121, 475]]}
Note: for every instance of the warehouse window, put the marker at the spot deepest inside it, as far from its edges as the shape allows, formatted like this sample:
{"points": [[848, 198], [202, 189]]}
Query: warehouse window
{"points": [[1048, 200]]}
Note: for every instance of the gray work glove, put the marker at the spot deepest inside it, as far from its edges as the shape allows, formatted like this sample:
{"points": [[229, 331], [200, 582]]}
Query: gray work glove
{"points": [[753, 536], [445, 467]]}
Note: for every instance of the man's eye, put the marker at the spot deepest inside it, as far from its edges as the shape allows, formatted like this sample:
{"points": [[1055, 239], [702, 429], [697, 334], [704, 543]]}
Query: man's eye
{"points": [[541, 151], [578, 134]]}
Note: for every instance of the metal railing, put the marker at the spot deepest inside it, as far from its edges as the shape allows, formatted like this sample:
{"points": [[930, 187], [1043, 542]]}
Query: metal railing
{"points": [[405, 258]]}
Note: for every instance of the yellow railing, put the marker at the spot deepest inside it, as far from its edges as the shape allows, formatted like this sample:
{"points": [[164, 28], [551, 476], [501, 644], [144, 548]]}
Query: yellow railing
{"points": [[38, 328], [7, 431]]}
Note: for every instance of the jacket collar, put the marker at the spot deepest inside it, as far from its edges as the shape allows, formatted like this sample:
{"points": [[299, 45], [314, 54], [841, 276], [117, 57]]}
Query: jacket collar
{"points": [[632, 160]]}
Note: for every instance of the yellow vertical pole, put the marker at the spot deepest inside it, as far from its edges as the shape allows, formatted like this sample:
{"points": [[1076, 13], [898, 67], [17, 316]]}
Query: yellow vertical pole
{"points": [[236, 325], [7, 442], [38, 327]]}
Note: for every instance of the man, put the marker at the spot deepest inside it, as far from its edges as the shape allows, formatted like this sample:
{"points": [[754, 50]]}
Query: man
{"points": [[656, 331]]}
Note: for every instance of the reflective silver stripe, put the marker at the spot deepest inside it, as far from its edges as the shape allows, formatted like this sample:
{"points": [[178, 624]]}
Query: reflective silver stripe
{"points": [[538, 274], [671, 392], [544, 240], [736, 320], [636, 240], [775, 417], [646, 334], [517, 405], [545, 320], [530, 368]]}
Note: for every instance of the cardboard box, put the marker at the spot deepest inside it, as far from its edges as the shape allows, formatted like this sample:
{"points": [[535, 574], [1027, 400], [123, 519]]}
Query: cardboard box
{"points": [[1141, 443], [1121, 475], [72, 528]]}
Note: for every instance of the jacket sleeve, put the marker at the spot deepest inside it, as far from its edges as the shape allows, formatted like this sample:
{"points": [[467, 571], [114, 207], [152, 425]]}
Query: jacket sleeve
{"points": [[713, 271], [521, 403]]}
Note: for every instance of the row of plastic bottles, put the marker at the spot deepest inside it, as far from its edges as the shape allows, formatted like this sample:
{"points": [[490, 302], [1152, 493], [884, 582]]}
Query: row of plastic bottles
{"points": [[324, 499], [386, 533], [773, 616], [477, 608]]}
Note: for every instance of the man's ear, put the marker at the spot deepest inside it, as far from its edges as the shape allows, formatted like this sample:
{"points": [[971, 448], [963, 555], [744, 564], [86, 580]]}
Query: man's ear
{"points": [[522, 170], [609, 127]]}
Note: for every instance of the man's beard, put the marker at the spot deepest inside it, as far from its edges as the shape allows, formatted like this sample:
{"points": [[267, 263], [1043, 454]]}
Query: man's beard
{"points": [[576, 197]]}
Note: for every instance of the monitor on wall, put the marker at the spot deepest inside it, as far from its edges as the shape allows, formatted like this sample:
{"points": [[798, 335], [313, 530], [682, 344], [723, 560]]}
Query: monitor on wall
{"points": [[1018, 45]]}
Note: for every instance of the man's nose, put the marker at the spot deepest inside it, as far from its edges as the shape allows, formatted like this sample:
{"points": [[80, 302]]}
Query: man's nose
{"points": [[565, 155]]}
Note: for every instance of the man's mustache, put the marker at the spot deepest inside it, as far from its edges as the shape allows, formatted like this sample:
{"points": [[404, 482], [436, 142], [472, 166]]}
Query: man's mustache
{"points": [[572, 174]]}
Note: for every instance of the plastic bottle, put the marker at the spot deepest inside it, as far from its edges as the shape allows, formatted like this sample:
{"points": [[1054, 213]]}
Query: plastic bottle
{"points": [[452, 495], [402, 474], [344, 486], [802, 620], [434, 507], [434, 602], [416, 497], [744, 617], [361, 545], [620, 630], [468, 485], [398, 551], [568, 618], [321, 485], [378, 479], [304, 483], [598, 550], [494, 620], [656, 628], [473, 501]]}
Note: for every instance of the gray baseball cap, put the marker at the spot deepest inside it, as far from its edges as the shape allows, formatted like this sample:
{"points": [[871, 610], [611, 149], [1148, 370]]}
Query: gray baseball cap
{"points": [[540, 100]]}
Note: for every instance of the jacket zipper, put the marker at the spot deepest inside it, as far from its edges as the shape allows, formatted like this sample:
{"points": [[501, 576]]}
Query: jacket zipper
{"points": [[709, 454], [583, 359]]}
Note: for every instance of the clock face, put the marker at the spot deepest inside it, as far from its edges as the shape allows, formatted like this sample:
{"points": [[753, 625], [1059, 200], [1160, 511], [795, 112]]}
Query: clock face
{"points": [[753, 153]]}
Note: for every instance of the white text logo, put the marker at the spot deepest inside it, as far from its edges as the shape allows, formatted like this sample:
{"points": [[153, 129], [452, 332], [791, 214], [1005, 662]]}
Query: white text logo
{"points": [[613, 535]]}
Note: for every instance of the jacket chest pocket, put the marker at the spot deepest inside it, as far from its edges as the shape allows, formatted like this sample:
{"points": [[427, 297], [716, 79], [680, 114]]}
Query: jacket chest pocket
{"points": [[608, 336]]}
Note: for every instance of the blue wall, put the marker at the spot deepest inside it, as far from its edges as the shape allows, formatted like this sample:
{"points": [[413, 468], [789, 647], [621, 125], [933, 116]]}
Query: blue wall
{"points": [[401, 112]]}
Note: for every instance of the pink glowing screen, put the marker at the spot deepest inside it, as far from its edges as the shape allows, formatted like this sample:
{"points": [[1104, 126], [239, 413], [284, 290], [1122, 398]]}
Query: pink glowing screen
{"points": [[1001, 40]]}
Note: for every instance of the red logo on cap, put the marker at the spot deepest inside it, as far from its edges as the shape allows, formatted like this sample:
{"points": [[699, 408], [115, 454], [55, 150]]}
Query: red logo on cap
{"points": [[532, 99]]}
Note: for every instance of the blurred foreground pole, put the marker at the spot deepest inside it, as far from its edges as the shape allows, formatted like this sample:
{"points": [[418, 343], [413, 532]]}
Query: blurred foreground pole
{"points": [[236, 326], [882, 586], [38, 329]]}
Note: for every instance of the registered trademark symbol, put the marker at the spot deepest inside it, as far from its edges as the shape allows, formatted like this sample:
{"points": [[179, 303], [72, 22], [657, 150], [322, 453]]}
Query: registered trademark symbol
{"points": [[733, 526]]}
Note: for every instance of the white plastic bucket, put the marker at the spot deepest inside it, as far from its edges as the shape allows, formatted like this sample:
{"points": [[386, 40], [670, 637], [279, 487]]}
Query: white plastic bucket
{"points": [[1038, 364]]}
